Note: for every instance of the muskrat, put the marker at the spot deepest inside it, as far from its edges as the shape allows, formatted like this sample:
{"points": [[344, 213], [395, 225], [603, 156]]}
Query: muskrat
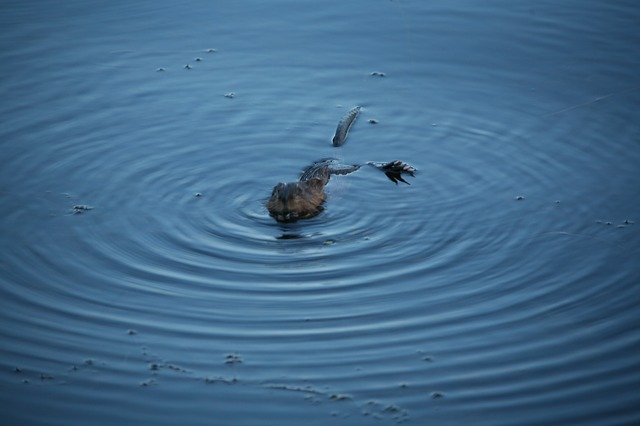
{"points": [[303, 199]]}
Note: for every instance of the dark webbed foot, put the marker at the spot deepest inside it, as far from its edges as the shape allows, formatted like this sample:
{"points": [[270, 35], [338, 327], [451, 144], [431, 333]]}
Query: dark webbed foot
{"points": [[395, 169]]}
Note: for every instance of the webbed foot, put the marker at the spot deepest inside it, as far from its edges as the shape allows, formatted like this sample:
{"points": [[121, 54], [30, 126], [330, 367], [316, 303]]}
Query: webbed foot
{"points": [[395, 169]]}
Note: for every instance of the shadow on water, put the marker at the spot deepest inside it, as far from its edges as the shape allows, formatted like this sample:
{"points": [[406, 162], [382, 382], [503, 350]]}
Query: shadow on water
{"points": [[290, 236]]}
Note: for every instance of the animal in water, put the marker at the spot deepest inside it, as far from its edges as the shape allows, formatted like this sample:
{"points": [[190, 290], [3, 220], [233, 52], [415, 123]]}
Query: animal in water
{"points": [[304, 198]]}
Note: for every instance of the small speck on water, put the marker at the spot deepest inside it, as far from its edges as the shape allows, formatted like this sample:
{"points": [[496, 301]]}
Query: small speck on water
{"points": [[198, 194], [520, 197], [212, 380], [373, 121], [211, 50], [160, 69], [131, 332], [81, 208], [329, 242], [230, 95], [233, 359], [198, 59], [187, 67], [437, 395], [378, 74], [339, 397]]}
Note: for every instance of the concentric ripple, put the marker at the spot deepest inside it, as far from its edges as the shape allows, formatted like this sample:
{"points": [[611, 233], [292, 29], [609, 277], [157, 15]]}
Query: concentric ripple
{"points": [[141, 270]]}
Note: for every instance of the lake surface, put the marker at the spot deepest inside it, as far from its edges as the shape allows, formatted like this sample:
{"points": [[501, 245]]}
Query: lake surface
{"points": [[501, 287]]}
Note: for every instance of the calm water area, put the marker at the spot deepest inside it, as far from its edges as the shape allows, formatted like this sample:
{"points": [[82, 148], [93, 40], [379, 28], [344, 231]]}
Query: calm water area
{"points": [[142, 280]]}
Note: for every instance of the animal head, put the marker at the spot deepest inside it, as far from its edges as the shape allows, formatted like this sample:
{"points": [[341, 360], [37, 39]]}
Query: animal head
{"points": [[291, 201]]}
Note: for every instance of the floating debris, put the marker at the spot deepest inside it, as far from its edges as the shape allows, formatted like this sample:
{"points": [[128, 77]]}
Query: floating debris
{"points": [[81, 208], [230, 95], [378, 74], [174, 368], [339, 397], [313, 399], [154, 366], [373, 121], [379, 411], [306, 389], [44, 376], [426, 356], [210, 380], [233, 359]]}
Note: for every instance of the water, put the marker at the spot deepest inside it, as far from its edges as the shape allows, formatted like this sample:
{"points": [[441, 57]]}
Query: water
{"points": [[448, 301]]}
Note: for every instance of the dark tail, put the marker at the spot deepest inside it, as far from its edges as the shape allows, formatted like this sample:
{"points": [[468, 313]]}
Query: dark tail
{"points": [[344, 125]]}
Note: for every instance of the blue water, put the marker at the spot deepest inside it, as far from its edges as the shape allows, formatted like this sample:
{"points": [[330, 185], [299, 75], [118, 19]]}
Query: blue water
{"points": [[501, 287]]}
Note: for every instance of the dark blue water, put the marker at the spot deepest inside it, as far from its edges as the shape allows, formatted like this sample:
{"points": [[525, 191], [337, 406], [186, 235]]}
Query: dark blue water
{"points": [[500, 287]]}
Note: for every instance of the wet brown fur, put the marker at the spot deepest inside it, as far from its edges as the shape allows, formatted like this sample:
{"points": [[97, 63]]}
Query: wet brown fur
{"points": [[297, 200]]}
